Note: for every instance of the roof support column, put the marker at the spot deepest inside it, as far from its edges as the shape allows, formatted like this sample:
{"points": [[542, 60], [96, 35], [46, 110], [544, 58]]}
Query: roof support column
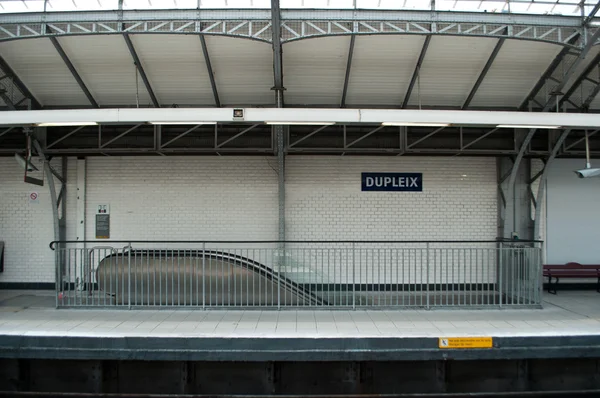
{"points": [[542, 186], [278, 129], [550, 103]]}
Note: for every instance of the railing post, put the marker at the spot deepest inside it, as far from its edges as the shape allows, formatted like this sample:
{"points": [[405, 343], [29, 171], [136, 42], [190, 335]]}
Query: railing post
{"points": [[353, 275], [427, 268], [203, 275], [539, 273], [57, 274], [279, 262], [129, 276], [500, 275]]}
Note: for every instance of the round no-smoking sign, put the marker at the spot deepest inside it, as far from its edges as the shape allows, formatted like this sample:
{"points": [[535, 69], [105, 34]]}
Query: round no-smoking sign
{"points": [[33, 197]]}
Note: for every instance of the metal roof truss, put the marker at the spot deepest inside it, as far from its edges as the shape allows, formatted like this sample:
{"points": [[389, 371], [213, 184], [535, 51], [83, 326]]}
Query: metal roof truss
{"points": [[242, 138]]}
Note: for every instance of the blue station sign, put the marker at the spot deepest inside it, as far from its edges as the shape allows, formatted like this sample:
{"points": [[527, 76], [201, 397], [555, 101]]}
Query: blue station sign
{"points": [[397, 182]]}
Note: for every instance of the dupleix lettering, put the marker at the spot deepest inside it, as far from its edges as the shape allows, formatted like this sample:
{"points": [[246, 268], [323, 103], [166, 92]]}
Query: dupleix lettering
{"points": [[397, 182]]}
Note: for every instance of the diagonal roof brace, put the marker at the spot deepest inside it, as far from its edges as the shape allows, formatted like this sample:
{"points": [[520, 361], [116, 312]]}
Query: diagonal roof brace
{"points": [[348, 66], [73, 71], [211, 74], [547, 73], [364, 136], [593, 65], [20, 85], [140, 68], [9, 103], [484, 71], [416, 72]]}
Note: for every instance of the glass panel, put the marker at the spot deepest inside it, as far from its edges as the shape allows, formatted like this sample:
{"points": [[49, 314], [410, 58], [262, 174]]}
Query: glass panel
{"points": [[555, 7], [21, 6]]}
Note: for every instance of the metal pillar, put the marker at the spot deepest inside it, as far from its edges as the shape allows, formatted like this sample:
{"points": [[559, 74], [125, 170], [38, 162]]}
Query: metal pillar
{"points": [[278, 129], [81, 175], [50, 173], [543, 178]]}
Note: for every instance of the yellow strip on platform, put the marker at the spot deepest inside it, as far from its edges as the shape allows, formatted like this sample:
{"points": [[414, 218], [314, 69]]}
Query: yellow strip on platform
{"points": [[465, 342]]}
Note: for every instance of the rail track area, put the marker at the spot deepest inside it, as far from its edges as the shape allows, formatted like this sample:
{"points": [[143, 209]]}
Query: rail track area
{"points": [[46, 352]]}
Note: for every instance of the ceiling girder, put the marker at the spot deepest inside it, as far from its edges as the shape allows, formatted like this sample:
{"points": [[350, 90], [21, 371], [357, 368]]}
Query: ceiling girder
{"points": [[73, 71], [348, 66], [140, 68], [35, 104], [483, 73], [211, 74], [416, 72]]}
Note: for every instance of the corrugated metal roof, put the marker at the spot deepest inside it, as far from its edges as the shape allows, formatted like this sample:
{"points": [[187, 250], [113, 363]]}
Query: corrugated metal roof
{"points": [[243, 70], [517, 68], [382, 67], [176, 68], [450, 70], [105, 64], [41, 69], [314, 70]]}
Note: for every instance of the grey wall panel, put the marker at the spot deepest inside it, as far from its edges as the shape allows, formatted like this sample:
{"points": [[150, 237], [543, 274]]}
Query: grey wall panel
{"points": [[573, 225]]}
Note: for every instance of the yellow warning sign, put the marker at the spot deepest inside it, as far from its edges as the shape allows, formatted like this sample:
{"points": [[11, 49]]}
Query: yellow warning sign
{"points": [[465, 342]]}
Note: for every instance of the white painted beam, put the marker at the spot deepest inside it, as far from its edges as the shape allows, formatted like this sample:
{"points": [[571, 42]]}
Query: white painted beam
{"points": [[261, 115]]}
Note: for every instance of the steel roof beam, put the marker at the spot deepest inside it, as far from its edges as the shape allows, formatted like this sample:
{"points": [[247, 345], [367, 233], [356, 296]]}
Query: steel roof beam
{"points": [[588, 70], [579, 141], [8, 130], [314, 116], [348, 67], [7, 100], [120, 16], [237, 135], [492, 131], [255, 23], [211, 74], [73, 71], [416, 72], [277, 52], [121, 135], [180, 136], [364, 136], [19, 83], [140, 68], [307, 136], [483, 73], [547, 74], [434, 132], [592, 13], [75, 130]]}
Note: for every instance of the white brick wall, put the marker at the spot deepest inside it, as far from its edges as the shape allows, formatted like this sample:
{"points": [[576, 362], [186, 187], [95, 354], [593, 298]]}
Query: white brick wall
{"points": [[25, 227], [184, 198], [325, 202], [235, 198]]}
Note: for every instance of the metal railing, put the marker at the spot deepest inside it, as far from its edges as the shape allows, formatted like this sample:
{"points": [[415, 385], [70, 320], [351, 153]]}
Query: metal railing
{"points": [[273, 274]]}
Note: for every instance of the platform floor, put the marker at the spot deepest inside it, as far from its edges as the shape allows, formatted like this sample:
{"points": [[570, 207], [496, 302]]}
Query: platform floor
{"points": [[32, 313], [31, 328]]}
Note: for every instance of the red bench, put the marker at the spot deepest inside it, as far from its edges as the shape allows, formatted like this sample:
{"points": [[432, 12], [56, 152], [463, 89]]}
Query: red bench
{"points": [[570, 270]]}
